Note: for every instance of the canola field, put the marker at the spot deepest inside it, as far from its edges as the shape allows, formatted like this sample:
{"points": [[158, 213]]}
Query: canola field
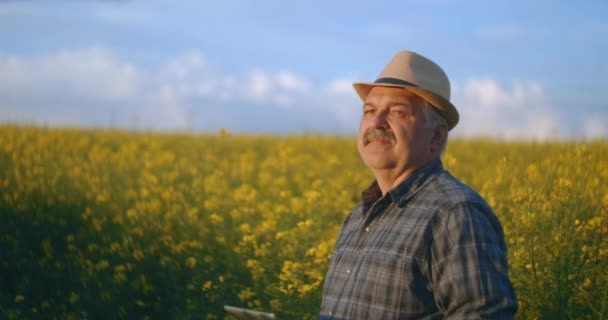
{"points": [[107, 224]]}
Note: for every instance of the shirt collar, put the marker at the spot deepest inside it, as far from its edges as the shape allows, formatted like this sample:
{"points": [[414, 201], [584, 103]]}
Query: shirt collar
{"points": [[416, 181], [405, 189]]}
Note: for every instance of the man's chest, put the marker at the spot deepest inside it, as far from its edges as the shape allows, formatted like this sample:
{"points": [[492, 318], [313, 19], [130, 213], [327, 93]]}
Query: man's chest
{"points": [[377, 262]]}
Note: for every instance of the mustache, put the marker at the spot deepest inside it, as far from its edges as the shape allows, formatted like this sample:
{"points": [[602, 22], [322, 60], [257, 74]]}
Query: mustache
{"points": [[378, 133]]}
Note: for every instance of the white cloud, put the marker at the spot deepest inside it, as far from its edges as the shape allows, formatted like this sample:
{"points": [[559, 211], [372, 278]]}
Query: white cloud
{"points": [[258, 84], [282, 88], [89, 86], [341, 86], [292, 82], [520, 111], [94, 86], [595, 127], [185, 66], [92, 72]]}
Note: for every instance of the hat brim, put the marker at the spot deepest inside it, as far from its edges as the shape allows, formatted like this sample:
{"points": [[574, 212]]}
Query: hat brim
{"points": [[443, 106]]}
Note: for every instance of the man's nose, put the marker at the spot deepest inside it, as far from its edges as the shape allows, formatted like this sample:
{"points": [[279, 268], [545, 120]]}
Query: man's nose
{"points": [[380, 119]]}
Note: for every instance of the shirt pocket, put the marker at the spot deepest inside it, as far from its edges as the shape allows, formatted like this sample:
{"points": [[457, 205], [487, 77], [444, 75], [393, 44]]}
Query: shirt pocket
{"points": [[386, 276]]}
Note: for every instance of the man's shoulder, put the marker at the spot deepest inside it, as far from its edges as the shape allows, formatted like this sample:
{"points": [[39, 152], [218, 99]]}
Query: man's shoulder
{"points": [[450, 191]]}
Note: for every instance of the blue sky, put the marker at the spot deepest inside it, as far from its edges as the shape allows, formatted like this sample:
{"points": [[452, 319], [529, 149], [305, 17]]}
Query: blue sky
{"points": [[519, 69]]}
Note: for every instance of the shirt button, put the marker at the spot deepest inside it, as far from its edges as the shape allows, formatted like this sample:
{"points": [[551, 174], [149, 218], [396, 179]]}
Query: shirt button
{"points": [[366, 229], [330, 313], [347, 271]]}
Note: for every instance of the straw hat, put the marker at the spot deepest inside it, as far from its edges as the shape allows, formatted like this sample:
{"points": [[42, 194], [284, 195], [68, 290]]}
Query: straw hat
{"points": [[420, 76]]}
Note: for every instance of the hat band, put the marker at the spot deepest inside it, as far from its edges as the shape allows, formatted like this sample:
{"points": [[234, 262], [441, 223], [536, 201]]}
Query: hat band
{"points": [[395, 81]]}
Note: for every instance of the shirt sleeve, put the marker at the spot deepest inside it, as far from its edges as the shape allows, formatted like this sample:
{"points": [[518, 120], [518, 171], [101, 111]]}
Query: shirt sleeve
{"points": [[468, 265]]}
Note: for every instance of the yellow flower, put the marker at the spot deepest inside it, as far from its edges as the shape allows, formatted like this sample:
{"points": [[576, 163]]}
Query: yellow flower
{"points": [[207, 285], [216, 218], [74, 297], [138, 254], [132, 214], [275, 204], [102, 264], [246, 295], [101, 198], [191, 262]]}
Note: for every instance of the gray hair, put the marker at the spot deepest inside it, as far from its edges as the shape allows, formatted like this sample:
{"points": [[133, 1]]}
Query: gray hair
{"points": [[433, 119], [432, 116]]}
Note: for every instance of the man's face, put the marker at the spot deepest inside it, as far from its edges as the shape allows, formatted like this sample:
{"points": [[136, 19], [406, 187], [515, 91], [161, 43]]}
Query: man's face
{"points": [[392, 132]]}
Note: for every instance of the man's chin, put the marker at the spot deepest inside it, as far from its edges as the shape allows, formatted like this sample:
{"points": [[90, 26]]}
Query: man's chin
{"points": [[377, 162]]}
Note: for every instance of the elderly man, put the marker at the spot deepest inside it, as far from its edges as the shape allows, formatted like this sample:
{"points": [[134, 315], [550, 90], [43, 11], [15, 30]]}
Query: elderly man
{"points": [[420, 244]]}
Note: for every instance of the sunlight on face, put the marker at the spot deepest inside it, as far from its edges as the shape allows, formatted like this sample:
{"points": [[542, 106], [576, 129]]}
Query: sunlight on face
{"points": [[392, 133]]}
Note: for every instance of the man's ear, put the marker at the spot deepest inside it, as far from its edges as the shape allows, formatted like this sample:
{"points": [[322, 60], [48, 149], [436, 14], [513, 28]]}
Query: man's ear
{"points": [[439, 138]]}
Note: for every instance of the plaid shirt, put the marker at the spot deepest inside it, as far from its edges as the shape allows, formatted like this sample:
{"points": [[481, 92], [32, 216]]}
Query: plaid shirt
{"points": [[431, 248]]}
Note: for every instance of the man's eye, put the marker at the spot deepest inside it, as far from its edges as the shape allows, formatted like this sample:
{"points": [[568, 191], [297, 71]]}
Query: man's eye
{"points": [[398, 112], [368, 111]]}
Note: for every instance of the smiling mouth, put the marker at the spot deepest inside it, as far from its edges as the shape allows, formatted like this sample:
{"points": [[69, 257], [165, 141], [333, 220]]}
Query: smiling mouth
{"points": [[378, 140]]}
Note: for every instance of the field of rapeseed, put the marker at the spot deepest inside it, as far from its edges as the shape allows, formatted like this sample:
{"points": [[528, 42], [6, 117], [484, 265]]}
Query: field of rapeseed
{"points": [[118, 225]]}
